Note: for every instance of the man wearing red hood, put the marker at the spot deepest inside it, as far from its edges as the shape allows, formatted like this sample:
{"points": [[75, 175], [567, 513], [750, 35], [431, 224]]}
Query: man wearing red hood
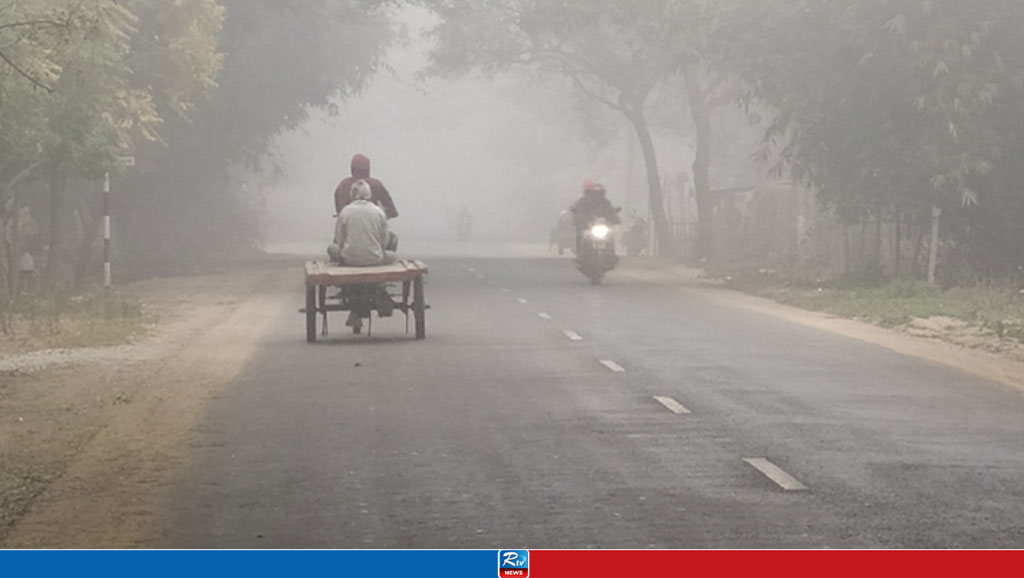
{"points": [[361, 171]]}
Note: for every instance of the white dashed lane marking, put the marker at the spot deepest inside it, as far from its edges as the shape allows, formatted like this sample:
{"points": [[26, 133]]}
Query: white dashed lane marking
{"points": [[775, 474], [572, 335], [672, 405], [611, 365], [523, 301], [544, 316]]}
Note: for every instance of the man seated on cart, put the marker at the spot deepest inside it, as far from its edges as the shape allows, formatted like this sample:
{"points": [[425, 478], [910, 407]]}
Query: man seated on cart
{"points": [[362, 239], [361, 236]]}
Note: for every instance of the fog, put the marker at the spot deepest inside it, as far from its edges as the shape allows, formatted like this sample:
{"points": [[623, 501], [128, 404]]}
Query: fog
{"points": [[509, 148]]}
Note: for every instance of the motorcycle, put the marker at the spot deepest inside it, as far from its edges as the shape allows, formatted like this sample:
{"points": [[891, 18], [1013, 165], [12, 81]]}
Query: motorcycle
{"points": [[635, 238], [563, 234], [595, 254], [464, 228]]}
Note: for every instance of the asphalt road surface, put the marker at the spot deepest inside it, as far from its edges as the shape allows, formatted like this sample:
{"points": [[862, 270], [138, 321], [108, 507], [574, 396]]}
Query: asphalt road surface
{"points": [[542, 411]]}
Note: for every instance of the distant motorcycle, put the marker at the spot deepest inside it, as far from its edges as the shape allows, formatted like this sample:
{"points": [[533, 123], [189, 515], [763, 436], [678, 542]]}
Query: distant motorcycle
{"points": [[635, 239], [563, 234], [595, 253], [464, 228]]}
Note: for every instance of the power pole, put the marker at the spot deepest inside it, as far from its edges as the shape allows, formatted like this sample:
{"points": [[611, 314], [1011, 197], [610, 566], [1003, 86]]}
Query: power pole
{"points": [[125, 162], [106, 230]]}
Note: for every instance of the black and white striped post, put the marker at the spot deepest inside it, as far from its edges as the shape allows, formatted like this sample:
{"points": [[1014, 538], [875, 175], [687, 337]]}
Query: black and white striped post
{"points": [[106, 230]]}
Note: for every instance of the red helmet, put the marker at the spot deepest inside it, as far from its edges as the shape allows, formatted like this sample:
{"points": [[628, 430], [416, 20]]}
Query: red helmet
{"points": [[588, 185]]}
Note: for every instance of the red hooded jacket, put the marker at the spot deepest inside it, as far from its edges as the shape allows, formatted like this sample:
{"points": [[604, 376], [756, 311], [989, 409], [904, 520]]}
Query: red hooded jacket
{"points": [[361, 170]]}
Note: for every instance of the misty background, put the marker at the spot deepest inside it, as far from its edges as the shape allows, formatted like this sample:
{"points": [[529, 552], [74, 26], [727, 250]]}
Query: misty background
{"points": [[851, 142], [512, 148]]}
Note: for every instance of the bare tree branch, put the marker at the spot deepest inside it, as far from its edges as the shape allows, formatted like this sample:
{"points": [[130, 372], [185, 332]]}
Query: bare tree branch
{"points": [[28, 76], [45, 22], [583, 88], [18, 178]]}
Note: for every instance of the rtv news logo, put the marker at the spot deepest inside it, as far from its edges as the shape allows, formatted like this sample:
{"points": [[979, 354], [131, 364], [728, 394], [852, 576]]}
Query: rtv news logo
{"points": [[513, 563]]}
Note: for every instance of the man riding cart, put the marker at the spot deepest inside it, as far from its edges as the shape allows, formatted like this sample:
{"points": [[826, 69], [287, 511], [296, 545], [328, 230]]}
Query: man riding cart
{"points": [[362, 263]]}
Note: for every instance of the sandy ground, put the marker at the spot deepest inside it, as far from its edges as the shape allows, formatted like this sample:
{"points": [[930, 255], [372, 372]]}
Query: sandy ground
{"points": [[87, 449]]}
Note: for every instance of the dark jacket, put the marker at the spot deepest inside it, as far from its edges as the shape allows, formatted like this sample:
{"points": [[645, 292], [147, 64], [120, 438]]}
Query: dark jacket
{"points": [[593, 205], [361, 170]]}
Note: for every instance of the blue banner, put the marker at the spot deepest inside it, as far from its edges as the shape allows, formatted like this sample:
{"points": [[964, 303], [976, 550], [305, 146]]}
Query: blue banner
{"points": [[249, 563]]}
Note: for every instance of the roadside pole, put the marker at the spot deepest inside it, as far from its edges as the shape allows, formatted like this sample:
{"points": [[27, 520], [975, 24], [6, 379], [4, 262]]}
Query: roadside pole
{"points": [[106, 230], [124, 162]]}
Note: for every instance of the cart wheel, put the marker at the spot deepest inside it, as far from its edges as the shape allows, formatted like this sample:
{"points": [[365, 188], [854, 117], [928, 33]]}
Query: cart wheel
{"points": [[310, 313], [419, 308]]}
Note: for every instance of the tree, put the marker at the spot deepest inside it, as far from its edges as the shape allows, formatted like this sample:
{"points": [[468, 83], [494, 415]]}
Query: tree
{"points": [[614, 53], [891, 106], [66, 65], [281, 59]]}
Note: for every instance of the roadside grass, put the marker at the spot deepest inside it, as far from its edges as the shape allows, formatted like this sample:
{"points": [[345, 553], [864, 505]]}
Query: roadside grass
{"points": [[66, 321], [996, 311], [17, 489]]}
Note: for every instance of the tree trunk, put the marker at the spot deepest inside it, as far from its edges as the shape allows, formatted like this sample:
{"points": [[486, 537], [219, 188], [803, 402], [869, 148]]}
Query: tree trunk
{"points": [[91, 227], [58, 181], [878, 241], [862, 253], [933, 250], [846, 249], [13, 257], [701, 113], [656, 197], [896, 246], [918, 243], [13, 270]]}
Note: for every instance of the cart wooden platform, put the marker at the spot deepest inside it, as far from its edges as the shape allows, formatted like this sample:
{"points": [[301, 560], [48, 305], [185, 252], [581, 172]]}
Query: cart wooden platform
{"points": [[359, 288]]}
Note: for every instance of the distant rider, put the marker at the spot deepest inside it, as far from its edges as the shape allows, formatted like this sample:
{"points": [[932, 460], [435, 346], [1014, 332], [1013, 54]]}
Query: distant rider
{"points": [[592, 205]]}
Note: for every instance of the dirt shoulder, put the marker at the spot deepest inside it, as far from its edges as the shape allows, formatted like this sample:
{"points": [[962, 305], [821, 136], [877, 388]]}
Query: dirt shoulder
{"points": [[90, 448], [939, 340]]}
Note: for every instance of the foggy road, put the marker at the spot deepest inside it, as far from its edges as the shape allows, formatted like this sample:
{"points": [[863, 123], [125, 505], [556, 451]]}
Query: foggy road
{"points": [[544, 412]]}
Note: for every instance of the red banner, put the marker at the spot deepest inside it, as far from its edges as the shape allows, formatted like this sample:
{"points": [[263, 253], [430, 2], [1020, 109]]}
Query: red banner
{"points": [[776, 563]]}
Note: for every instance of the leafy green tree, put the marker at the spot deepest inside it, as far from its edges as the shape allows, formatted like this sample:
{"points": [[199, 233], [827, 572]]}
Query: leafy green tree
{"points": [[280, 60], [894, 106], [73, 55]]}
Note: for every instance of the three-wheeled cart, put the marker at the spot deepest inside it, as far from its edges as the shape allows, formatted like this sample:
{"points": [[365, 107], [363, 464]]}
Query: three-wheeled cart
{"points": [[362, 291]]}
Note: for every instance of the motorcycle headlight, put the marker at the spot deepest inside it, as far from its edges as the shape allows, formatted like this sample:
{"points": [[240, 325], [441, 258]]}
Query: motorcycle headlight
{"points": [[600, 231]]}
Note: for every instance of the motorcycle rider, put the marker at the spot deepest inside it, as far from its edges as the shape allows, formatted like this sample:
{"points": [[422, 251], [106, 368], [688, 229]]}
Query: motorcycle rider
{"points": [[592, 205], [360, 167]]}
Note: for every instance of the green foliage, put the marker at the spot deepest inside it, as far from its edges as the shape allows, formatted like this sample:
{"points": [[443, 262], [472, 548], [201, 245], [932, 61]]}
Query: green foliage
{"points": [[888, 103], [991, 311], [280, 60], [64, 319]]}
